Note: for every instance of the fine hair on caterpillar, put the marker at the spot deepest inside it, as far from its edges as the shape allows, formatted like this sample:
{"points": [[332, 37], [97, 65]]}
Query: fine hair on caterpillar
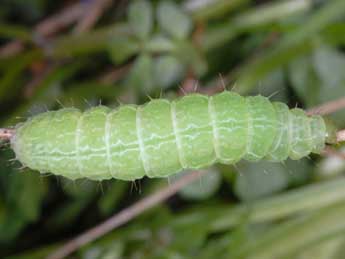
{"points": [[162, 137]]}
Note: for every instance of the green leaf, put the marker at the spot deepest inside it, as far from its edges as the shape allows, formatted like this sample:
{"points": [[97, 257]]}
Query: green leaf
{"points": [[298, 171], [319, 77], [11, 226], [328, 248], [173, 20], [141, 74], [191, 57], [140, 17], [159, 43], [331, 166], [256, 180], [189, 239], [203, 189], [122, 48], [112, 196], [329, 65], [21, 202], [295, 235], [290, 46], [80, 188], [66, 215], [304, 80], [273, 85], [167, 71], [112, 250], [28, 190]]}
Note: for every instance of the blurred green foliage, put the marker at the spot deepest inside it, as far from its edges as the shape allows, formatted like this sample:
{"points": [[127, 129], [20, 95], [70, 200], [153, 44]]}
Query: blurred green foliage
{"points": [[291, 50]]}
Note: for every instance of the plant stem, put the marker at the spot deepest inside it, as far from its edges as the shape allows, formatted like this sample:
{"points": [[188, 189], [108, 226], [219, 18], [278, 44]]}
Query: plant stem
{"points": [[6, 134], [341, 136], [204, 10], [328, 107]]}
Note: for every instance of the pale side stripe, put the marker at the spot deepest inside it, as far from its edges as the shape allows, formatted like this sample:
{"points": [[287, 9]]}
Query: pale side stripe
{"points": [[140, 141], [249, 128], [107, 142], [177, 137], [275, 144], [311, 144], [289, 126], [49, 130], [211, 112], [77, 140], [281, 130]]}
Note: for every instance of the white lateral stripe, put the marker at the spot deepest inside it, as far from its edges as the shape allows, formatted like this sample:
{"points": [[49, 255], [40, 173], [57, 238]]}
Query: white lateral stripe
{"points": [[290, 133], [77, 143], [177, 138], [140, 141], [49, 130], [249, 128], [310, 138], [107, 143], [212, 115]]}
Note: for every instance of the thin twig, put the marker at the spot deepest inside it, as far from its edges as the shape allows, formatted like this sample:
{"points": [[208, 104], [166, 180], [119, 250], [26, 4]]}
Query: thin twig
{"points": [[11, 49], [328, 107], [329, 151], [38, 78], [61, 19], [6, 134], [114, 74], [88, 15], [190, 83], [341, 136], [91, 15], [125, 215], [47, 27]]}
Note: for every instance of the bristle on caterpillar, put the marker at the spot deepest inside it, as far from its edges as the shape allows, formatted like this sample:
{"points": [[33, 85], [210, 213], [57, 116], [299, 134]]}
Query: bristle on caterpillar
{"points": [[160, 138]]}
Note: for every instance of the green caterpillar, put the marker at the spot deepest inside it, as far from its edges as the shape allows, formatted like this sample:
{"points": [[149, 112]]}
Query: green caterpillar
{"points": [[161, 138]]}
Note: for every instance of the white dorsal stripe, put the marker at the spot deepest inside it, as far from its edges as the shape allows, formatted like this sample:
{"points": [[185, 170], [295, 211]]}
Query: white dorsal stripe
{"points": [[141, 142], [77, 143], [212, 114], [177, 137]]}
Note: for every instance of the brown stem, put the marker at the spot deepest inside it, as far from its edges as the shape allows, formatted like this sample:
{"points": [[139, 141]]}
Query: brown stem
{"points": [[6, 134], [125, 215], [330, 151], [328, 107], [114, 74], [91, 15], [47, 27], [11, 49], [38, 78], [341, 135], [61, 19]]}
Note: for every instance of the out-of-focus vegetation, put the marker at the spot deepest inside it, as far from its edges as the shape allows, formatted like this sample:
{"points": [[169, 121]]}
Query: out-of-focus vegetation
{"points": [[292, 50]]}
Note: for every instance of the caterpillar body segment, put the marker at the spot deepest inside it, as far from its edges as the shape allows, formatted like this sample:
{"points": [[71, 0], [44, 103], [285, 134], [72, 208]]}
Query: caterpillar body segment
{"points": [[161, 137]]}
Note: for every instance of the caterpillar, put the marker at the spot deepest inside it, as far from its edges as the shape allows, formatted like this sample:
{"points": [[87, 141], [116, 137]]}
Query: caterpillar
{"points": [[162, 137]]}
